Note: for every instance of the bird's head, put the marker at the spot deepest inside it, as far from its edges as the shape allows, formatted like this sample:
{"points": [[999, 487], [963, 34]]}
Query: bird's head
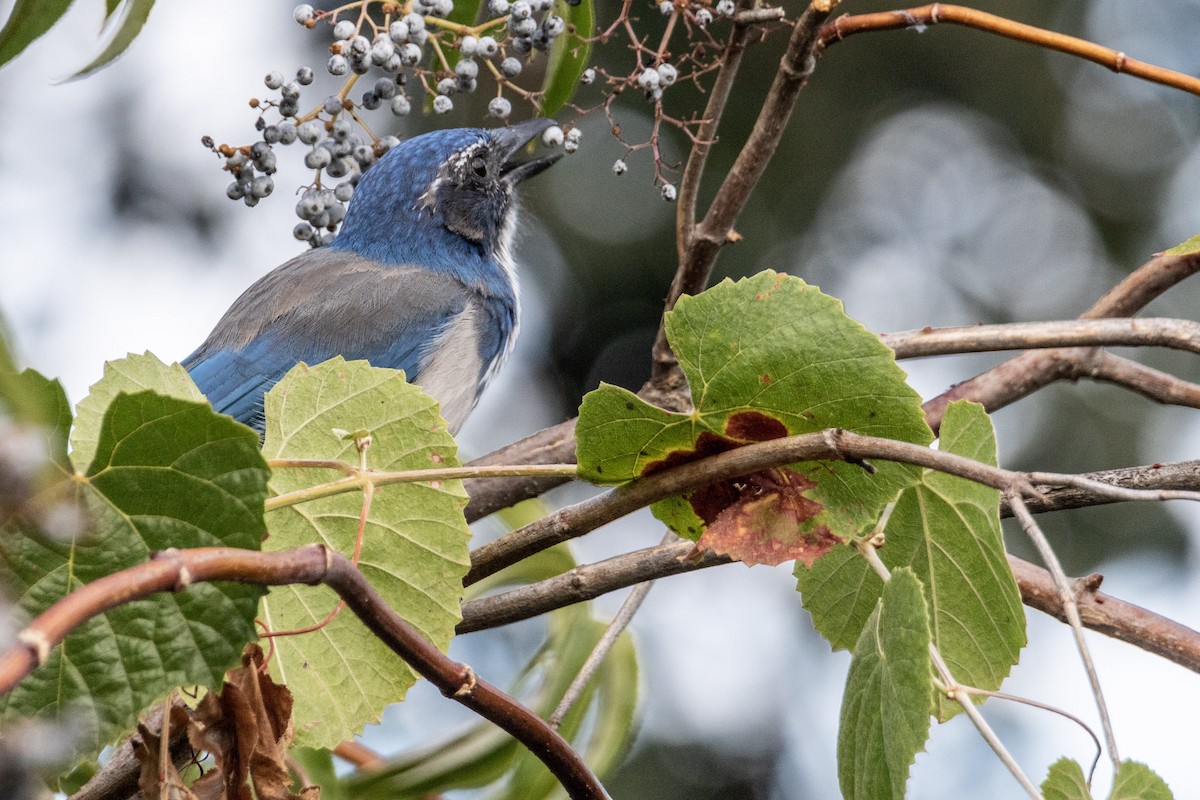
{"points": [[444, 195]]}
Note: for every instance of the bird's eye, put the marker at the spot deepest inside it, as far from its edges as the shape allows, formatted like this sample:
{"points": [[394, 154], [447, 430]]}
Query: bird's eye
{"points": [[479, 167]]}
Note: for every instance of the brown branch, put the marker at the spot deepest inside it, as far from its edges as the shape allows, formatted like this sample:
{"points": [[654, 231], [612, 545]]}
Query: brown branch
{"points": [[829, 445], [1151, 383], [1110, 615], [1030, 371], [936, 13], [175, 570], [554, 445], [1177, 334], [707, 238], [1183, 475], [118, 778], [1101, 612]]}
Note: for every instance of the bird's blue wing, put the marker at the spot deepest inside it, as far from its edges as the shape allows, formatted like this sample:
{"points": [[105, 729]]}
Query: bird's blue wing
{"points": [[322, 304]]}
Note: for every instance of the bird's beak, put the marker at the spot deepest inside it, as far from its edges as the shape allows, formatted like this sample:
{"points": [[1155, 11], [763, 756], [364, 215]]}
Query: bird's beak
{"points": [[511, 141]]}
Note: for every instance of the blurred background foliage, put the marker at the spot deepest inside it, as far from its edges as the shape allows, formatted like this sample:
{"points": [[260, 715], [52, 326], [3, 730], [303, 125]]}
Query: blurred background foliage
{"points": [[926, 178]]}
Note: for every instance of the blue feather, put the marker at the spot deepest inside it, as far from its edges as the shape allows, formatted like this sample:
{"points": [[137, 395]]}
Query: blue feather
{"points": [[418, 279]]}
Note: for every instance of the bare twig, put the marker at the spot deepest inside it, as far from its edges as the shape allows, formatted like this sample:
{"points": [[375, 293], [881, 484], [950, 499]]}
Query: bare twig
{"points": [[609, 638], [175, 570], [1179, 334], [1153, 384], [936, 13], [1030, 371], [1067, 595], [830, 445]]}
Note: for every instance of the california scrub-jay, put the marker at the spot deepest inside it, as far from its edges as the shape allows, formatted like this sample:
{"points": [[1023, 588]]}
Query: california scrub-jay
{"points": [[420, 278]]}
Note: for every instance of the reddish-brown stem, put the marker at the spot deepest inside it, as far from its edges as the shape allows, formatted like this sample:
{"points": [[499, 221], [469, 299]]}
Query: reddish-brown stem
{"points": [[935, 13], [175, 570]]}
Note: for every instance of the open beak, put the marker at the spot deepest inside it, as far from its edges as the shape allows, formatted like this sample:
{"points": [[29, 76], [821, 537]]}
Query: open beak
{"points": [[511, 142]]}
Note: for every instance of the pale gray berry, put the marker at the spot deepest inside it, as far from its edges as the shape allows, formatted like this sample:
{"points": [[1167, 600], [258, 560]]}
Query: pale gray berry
{"points": [[287, 132], [410, 55], [498, 7], [442, 104], [338, 65], [344, 191], [401, 105], [574, 135], [725, 8], [318, 158], [521, 10], [468, 46], [333, 105], [344, 30], [667, 74], [398, 30], [619, 167], [668, 192], [304, 76], [488, 47], [303, 231], [500, 107], [310, 132], [510, 67], [273, 80], [667, 8], [303, 13], [703, 18], [588, 76], [552, 136], [649, 79], [447, 86]]}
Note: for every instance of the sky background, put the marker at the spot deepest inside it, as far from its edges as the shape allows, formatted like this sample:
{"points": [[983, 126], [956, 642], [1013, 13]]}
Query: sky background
{"points": [[926, 179]]}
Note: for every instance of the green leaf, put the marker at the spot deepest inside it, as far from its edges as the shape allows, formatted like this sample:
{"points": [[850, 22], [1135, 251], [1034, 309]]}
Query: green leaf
{"points": [[7, 362], [1192, 245], [1136, 781], [29, 20], [885, 708], [34, 399], [167, 473], [1065, 781], [131, 374], [133, 15], [569, 55], [109, 7], [414, 548], [947, 530], [766, 357]]}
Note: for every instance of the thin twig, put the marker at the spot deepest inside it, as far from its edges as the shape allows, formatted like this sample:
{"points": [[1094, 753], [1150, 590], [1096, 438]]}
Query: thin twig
{"points": [[1153, 384], [609, 638], [936, 13], [1026, 701], [1050, 559]]}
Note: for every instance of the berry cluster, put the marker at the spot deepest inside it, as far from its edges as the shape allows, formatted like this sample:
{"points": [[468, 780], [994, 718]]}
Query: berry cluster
{"points": [[398, 51]]}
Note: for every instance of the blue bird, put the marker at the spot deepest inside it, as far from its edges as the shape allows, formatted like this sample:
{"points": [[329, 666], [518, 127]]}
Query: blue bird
{"points": [[419, 278]]}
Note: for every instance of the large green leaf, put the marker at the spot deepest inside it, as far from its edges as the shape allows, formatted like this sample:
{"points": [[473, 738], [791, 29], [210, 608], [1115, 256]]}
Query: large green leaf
{"points": [[414, 550], [885, 709], [131, 374], [166, 473], [568, 55], [29, 20], [766, 357], [947, 530], [133, 15]]}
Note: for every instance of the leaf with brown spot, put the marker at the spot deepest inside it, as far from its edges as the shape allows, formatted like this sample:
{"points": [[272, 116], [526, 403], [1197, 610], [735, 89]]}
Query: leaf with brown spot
{"points": [[760, 519], [766, 357], [247, 728]]}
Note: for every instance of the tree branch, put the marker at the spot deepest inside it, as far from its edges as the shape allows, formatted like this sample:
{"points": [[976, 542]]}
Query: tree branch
{"points": [[1177, 334], [707, 238], [829, 445], [936, 13], [1030, 371], [175, 570]]}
